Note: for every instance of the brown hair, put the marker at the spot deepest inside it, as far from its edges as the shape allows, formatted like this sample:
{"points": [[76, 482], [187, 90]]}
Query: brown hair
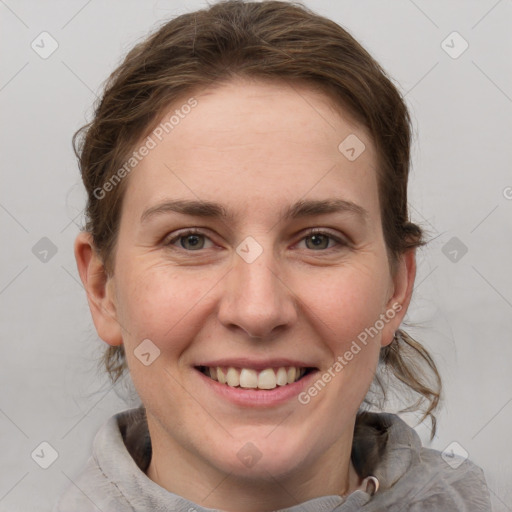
{"points": [[260, 40]]}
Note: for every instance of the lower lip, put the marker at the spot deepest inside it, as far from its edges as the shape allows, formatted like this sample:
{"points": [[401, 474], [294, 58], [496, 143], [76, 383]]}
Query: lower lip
{"points": [[259, 397]]}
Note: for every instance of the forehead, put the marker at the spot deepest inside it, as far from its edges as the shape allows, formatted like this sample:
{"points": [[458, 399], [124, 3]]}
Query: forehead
{"points": [[248, 143]]}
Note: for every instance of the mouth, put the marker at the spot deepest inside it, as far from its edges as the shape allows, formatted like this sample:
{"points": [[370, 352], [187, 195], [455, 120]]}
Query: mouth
{"points": [[249, 378]]}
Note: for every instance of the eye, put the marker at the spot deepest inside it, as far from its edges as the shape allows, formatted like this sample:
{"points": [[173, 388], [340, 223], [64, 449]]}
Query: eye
{"points": [[321, 239], [194, 240], [190, 240]]}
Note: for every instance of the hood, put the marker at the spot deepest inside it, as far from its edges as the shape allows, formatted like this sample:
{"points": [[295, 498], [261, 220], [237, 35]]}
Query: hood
{"points": [[408, 474]]}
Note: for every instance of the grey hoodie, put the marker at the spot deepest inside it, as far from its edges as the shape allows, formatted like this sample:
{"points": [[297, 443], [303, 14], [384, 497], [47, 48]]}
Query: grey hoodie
{"points": [[411, 478]]}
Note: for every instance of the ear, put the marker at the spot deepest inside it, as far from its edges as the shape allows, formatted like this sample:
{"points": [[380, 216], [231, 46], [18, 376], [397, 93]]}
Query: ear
{"points": [[99, 289], [401, 293]]}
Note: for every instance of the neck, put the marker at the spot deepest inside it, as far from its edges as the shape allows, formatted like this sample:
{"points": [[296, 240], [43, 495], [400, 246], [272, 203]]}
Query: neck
{"points": [[190, 476]]}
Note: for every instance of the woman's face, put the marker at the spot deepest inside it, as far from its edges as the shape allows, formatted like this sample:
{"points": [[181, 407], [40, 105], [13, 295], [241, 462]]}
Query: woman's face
{"points": [[255, 289]]}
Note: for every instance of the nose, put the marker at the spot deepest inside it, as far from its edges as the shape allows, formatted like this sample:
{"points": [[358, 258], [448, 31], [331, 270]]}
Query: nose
{"points": [[256, 298]]}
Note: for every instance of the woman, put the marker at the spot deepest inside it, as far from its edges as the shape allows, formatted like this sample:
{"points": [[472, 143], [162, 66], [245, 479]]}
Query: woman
{"points": [[248, 258]]}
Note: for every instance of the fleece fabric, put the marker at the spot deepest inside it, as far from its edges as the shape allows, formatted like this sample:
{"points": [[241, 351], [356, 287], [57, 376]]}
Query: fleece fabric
{"points": [[411, 478]]}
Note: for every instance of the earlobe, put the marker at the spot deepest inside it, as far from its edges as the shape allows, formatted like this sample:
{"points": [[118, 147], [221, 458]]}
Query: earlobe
{"points": [[99, 290], [398, 303]]}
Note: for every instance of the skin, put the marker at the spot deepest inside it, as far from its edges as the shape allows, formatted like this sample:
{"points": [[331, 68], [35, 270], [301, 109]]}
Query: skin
{"points": [[256, 147]]}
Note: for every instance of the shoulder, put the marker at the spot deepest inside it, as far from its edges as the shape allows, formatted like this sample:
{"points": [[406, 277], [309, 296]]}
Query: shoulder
{"points": [[91, 491], [99, 485], [455, 482], [420, 478]]}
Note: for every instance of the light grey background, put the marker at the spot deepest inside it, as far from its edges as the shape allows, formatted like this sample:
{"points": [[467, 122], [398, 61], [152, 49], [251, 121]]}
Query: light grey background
{"points": [[461, 186]]}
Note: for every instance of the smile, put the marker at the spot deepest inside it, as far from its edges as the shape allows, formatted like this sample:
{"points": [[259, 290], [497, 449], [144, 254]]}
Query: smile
{"points": [[248, 378]]}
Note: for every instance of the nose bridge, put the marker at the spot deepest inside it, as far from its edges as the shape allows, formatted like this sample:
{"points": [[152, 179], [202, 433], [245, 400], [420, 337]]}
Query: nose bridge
{"points": [[255, 298]]}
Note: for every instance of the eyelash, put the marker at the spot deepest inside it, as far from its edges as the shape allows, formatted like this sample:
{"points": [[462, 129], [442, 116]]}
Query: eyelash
{"points": [[314, 231]]}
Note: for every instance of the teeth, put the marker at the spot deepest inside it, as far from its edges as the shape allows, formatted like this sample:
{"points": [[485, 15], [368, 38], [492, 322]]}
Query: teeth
{"points": [[282, 377], [267, 379], [247, 378], [233, 377], [221, 376]]}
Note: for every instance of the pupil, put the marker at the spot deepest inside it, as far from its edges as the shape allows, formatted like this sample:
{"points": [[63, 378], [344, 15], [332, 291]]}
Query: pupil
{"points": [[318, 240], [192, 240]]}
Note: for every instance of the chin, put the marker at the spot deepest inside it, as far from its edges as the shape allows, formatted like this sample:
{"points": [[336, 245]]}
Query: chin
{"points": [[263, 455]]}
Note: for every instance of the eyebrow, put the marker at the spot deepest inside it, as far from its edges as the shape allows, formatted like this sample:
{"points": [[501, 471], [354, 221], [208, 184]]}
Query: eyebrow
{"points": [[302, 208]]}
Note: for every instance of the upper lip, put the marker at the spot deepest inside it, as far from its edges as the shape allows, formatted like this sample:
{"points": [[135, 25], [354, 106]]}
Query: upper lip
{"points": [[256, 364]]}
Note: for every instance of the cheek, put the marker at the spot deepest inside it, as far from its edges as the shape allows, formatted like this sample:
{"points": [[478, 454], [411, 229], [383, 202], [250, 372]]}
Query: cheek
{"points": [[170, 305], [344, 308], [347, 303], [161, 305], [166, 306]]}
